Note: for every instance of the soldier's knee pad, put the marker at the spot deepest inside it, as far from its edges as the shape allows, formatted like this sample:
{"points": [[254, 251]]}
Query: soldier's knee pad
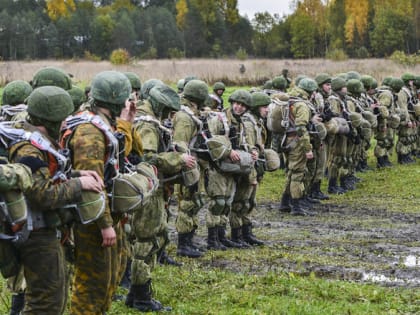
{"points": [[218, 206]]}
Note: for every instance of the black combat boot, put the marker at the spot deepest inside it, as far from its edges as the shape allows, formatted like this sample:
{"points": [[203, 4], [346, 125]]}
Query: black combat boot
{"points": [[184, 248], [236, 236], [129, 297], [165, 259], [297, 208], [386, 161], [221, 230], [316, 192], [380, 162], [333, 188], [143, 299], [346, 184], [285, 203], [365, 165], [213, 239], [18, 302], [249, 237]]}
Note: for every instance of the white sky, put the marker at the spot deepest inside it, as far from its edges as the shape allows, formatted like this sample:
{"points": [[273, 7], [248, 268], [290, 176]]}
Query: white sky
{"points": [[250, 7]]}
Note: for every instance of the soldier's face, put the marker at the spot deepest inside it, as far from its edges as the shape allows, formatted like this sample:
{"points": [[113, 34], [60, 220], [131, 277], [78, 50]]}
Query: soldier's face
{"points": [[327, 88], [219, 92], [238, 108], [263, 110]]}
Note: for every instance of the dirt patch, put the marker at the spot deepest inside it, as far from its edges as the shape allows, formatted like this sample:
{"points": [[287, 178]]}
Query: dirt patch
{"points": [[341, 242]]}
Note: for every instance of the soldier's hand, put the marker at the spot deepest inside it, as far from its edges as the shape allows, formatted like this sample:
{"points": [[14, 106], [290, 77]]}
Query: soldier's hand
{"points": [[309, 155], [109, 236], [234, 156], [129, 111], [254, 155], [90, 183], [189, 160], [93, 174]]}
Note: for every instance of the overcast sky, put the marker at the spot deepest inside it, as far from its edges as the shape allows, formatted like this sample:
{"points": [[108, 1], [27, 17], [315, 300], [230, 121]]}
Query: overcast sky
{"points": [[250, 7]]}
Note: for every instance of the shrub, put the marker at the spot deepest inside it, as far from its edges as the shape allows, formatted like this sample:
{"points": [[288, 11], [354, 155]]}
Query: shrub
{"points": [[119, 57], [337, 55], [91, 57], [361, 53], [151, 53], [241, 54], [400, 57], [175, 53]]}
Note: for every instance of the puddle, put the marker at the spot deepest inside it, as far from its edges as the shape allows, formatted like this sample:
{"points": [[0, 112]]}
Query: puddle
{"points": [[411, 261], [382, 279]]}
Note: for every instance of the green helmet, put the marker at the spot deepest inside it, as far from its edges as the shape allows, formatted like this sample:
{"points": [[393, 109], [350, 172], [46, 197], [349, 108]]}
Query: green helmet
{"points": [[268, 85], [338, 83], [367, 81], [134, 80], [417, 81], [161, 97], [110, 89], [322, 78], [51, 76], [353, 75], [299, 77], [396, 84], [219, 86], [387, 81], [180, 85], [407, 77], [354, 86], [279, 83], [78, 96], [260, 99], [16, 92], [189, 78], [307, 84], [147, 86], [50, 103], [241, 96], [374, 83], [196, 91]]}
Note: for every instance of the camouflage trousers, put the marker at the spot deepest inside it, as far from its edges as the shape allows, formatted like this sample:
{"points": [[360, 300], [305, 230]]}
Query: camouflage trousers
{"points": [[95, 271], [296, 167], [337, 155], [220, 189], [244, 200], [406, 142], [315, 168], [42, 259], [150, 229], [384, 142]]}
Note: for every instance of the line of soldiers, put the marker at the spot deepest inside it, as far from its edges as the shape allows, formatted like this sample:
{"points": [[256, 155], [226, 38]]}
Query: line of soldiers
{"points": [[104, 167]]}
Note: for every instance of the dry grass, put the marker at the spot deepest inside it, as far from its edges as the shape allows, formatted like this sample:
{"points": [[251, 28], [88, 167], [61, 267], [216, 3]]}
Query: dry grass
{"points": [[210, 70]]}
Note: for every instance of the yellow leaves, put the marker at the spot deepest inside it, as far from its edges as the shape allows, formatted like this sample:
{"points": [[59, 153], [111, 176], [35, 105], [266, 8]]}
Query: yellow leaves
{"points": [[357, 18], [181, 13], [59, 8]]}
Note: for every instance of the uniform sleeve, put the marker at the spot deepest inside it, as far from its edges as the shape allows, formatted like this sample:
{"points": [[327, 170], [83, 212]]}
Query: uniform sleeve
{"points": [[45, 194], [250, 134], [301, 114], [88, 147], [184, 128], [124, 127], [15, 176]]}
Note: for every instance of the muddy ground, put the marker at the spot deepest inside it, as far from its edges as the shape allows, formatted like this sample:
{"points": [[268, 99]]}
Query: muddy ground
{"points": [[341, 242]]}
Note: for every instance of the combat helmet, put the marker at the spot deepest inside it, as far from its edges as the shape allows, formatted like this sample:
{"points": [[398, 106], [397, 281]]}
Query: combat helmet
{"points": [[16, 92], [219, 86], [417, 81], [279, 83], [241, 96], [353, 75], [338, 83], [387, 81], [406, 77], [299, 77], [110, 90], [367, 81], [268, 85], [260, 99], [147, 86], [396, 84], [134, 80], [51, 76], [196, 91], [322, 78], [307, 84], [180, 85], [162, 97], [78, 96], [354, 86]]}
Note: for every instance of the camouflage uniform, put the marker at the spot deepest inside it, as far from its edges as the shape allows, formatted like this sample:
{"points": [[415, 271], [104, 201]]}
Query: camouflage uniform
{"points": [[384, 133], [406, 133]]}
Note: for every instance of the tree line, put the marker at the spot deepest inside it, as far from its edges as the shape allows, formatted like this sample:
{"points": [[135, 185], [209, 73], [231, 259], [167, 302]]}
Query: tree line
{"points": [[39, 29]]}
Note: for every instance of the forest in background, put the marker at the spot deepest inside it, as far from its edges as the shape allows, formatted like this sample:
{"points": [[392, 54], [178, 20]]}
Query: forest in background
{"points": [[148, 29]]}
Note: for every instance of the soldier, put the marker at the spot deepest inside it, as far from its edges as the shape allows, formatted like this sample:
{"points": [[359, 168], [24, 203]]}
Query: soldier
{"points": [[150, 224], [78, 97], [135, 85], [187, 125], [217, 96], [279, 84], [13, 99], [297, 147], [407, 130], [40, 249], [94, 146], [180, 86], [285, 75]]}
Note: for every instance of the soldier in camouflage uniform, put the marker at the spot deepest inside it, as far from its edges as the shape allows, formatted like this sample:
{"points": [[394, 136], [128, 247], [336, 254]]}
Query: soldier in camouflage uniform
{"points": [[98, 245], [407, 131], [297, 147], [78, 96], [14, 96], [150, 224], [187, 125], [41, 252], [217, 96]]}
